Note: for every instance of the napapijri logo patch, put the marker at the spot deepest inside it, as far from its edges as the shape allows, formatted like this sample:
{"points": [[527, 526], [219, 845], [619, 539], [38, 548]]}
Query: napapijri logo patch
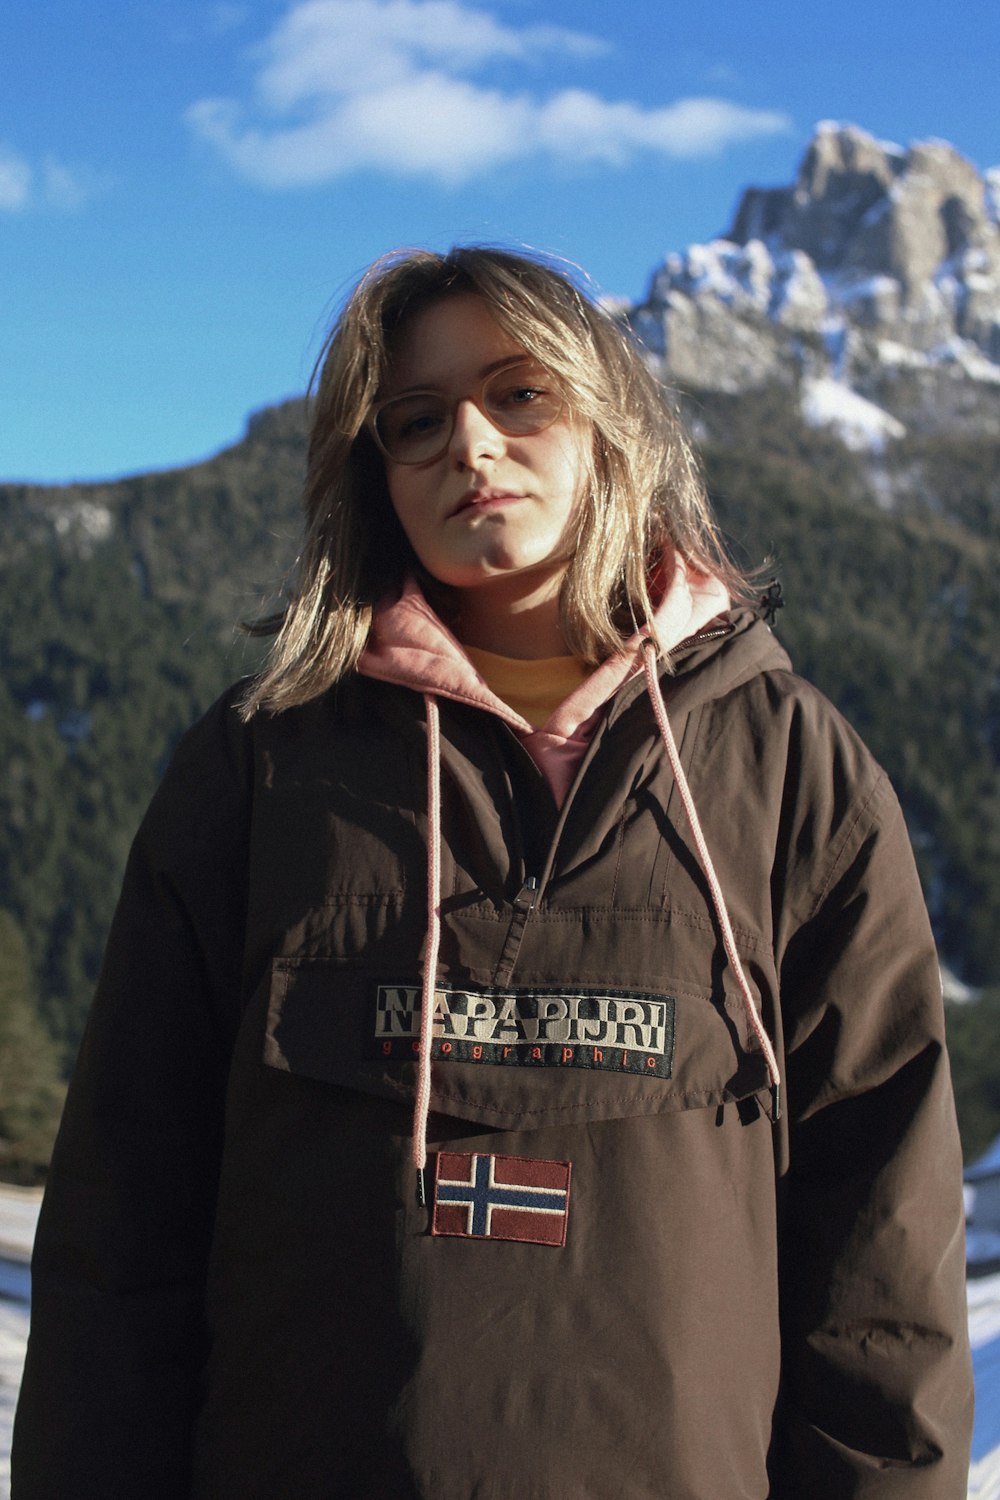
{"points": [[617, 1031], [501, 1198]]}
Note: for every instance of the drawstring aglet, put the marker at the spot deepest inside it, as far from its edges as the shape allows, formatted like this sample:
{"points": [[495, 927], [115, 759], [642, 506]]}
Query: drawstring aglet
{"points": [[775, 1103], [421, 1187]]}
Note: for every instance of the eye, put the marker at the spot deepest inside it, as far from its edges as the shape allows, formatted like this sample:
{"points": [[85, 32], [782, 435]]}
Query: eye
{"points": [[419, 425], [525, 396], [521, 386], [411, 421]]}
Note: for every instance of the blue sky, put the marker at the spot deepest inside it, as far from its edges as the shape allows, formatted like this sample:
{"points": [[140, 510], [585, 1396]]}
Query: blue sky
{"points": [[187, 187]]}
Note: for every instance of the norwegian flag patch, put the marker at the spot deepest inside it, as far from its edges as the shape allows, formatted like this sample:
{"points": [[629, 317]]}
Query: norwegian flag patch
{"points": [[501, 1198]]}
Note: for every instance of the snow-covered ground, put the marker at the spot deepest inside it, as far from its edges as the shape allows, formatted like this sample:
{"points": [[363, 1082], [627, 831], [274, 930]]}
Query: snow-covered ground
{"points": [[18, 1212], [18, 1216], [984, 1331], [861, 424], [13, 1337]]}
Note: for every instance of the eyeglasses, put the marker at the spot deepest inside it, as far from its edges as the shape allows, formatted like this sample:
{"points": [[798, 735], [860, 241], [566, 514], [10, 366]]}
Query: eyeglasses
{"points": [[519, 399]]}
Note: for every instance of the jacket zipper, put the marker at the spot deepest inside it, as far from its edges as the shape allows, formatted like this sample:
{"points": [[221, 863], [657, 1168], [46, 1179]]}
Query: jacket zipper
{"points": [[524, 905]]}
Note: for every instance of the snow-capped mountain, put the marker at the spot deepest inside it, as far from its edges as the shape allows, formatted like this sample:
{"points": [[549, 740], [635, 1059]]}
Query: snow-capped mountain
{"points": [[874, 278]]}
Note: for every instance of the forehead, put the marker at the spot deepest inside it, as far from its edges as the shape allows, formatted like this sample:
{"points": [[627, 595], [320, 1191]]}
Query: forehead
{"points": [[450, 341]]}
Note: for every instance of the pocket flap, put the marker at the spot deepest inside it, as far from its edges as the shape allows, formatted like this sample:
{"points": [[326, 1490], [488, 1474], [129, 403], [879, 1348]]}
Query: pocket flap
{"points": [[514, 1057]]}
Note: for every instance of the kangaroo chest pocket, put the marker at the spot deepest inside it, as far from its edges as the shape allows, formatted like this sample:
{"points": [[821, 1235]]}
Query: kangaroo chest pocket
{"points": [[538, 1053]]}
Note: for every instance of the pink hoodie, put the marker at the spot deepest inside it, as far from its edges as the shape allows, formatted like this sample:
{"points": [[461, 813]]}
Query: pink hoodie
{"points": [[411, 647]]}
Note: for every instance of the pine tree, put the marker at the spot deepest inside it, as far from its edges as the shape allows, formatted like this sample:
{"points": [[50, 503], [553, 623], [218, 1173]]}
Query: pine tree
{"points": [[31, 1094]]}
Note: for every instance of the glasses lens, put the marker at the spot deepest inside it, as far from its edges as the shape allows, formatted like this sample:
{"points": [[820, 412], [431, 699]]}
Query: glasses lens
{"points": [[522, 399], [414, 427]]}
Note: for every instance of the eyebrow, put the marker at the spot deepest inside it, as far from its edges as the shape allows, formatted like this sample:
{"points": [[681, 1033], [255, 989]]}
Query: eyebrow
{"points": [[481, 374]]}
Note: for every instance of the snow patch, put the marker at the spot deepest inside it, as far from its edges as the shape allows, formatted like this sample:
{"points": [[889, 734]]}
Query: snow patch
{"points": [[13, 1344], [93, 521], [861, 425], [857, 133], [784, 287], [992, 194], [865, 289], [967, 358], [891, 352], [954, 990], [984, 1310]]}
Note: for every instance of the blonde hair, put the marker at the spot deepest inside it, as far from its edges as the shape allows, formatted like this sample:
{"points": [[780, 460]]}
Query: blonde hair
{"points": [[644, 493]]}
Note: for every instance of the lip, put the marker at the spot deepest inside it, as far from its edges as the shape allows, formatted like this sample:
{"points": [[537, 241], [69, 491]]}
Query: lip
{"points": [[480, 500]]}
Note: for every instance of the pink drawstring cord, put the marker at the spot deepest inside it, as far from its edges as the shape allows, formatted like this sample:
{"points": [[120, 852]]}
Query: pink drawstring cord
{"points": [[718, 900], [421, 1106]]}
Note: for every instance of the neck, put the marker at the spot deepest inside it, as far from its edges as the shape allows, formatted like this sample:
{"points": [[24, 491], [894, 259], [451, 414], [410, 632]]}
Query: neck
{"points": [[510, 617]]}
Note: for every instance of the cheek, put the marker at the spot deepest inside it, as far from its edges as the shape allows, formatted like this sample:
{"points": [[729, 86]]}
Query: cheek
{"points": [[574, 442], [571, 474], [402, 497], [411, 505]]}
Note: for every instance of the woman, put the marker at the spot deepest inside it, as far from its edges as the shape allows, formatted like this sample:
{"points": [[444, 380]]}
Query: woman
{"points": [[518, 1066]]}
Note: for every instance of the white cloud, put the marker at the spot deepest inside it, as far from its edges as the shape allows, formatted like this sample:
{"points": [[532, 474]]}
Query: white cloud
{"points": [[325, 49], [391, 86], [15, 181], [51, 184]]}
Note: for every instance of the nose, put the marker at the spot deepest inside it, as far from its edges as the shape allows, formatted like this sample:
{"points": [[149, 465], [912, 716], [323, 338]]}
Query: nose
{"points": [[473, 436]]}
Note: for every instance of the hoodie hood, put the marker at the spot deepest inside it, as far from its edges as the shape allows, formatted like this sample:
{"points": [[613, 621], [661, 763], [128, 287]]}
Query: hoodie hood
{"points": [[410, 646]]}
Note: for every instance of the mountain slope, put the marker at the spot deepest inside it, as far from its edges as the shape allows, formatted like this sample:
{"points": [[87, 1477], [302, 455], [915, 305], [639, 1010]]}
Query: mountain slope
{"points": [[119, 602]]}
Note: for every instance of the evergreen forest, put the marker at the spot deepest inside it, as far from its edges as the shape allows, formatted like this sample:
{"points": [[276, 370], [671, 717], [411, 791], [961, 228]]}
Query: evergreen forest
{"points": [[120, 611]]}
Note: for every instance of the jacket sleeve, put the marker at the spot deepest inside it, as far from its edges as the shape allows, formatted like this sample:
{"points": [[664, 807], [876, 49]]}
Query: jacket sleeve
{"points": [[876, 1374], [117, 1341]]}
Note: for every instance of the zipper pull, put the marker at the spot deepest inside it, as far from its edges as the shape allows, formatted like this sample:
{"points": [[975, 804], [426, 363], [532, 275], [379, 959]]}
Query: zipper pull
{"points": [[527, 895]]}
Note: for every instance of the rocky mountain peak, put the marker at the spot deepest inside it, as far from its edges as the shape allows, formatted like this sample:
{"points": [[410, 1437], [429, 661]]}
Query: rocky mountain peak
{"points": [[864, 205], [876, 261], [844, 174]]}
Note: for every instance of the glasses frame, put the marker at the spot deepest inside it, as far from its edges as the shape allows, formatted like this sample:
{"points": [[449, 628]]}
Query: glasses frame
{"points": [[477, 399]]}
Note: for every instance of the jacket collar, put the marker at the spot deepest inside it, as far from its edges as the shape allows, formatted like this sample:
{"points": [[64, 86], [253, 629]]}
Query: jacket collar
{"points": [[410, 646]]}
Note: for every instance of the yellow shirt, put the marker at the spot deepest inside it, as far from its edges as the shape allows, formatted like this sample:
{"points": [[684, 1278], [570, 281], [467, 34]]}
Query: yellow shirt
{"points": [[533, 689]]}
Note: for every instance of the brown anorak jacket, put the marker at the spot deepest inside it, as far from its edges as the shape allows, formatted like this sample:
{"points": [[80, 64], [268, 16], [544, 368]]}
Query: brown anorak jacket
{"points": [[237, 1293]]}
